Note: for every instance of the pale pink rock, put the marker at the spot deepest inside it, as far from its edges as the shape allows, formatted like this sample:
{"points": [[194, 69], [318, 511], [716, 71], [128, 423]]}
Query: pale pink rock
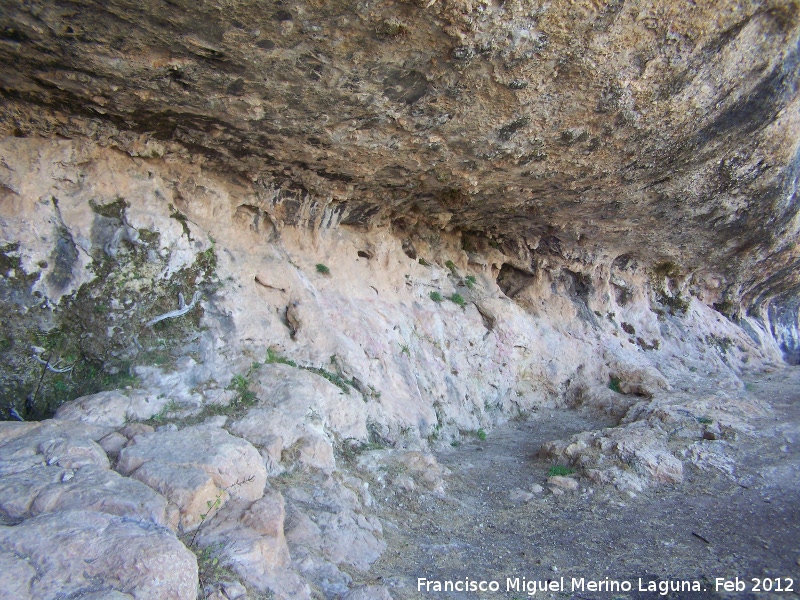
{"points": [[565, 483], [60, 443], [368, 592], [74, 551], [113, 443], [196, 468], [19, 490], [252, 542], [92, 488], [111, 409]]}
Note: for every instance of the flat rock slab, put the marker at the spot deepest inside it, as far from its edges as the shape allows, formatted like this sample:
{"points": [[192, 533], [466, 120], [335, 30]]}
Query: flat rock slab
{"points": [[64, 444], [194, 467], [111, 409], [67, 553], [102, 490]]}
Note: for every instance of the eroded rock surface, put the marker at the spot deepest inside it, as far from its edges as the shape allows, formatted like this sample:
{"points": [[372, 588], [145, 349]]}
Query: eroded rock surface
{"points": [[664, 132], [430, 218], [197, 469], [76, 551]]}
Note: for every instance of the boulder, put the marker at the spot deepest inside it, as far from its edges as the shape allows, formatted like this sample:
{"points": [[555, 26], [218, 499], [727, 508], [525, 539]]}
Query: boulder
{"points": [[195, 468], [73, 552], [103, 490], [64, 444], [252, 543]]}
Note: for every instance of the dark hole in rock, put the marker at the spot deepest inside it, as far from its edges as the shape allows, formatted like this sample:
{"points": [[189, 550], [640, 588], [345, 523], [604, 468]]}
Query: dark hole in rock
{"points": [[578, 284], [407, 87], [513, 280], [408, 248], [623, 295]]}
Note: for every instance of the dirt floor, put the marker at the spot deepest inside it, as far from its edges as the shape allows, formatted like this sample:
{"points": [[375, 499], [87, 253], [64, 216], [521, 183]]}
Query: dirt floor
{"points": [[711, 526]]}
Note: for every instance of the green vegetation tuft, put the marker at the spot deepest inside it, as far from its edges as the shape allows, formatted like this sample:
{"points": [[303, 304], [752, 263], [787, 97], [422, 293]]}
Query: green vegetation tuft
{"points": [[667, 269], [559, 471], [436, 297], [273, 357], [334, 378], [457, 299], [322, 269], [613, 384], [675, 303], [470, 281], [244, 395]]}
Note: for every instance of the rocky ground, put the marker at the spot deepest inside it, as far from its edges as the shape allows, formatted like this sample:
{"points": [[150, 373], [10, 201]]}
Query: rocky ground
{"points": [[126, 496], [500, 518]]}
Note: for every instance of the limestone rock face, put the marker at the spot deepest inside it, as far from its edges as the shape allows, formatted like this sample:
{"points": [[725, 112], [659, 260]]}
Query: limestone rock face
{"points": [[72, 552], [311, 239], [62, 444], [110, 409], [252, 542], [296, 410], [665, 132], [195, 468]]}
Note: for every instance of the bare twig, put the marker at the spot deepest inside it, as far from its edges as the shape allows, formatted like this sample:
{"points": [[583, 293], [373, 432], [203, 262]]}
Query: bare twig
{"points": [[183, 308], [53, 368], [700, 537]]}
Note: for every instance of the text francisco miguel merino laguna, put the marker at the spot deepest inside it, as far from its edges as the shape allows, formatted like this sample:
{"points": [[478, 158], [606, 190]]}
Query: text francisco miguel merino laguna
{"points": [[573, 584]]}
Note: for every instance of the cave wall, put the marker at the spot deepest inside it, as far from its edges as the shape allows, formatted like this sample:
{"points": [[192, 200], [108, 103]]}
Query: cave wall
{"points": [[436, 332]]}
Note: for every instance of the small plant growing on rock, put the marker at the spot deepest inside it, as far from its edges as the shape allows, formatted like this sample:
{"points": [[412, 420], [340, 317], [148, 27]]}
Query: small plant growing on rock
{"points": [[560, 471], [470, 281], [244, 396], [457, 299], [452, 266], [436, 297], [481, 435], [210, 569], [322, 269], [274, 357], [613, 384]]}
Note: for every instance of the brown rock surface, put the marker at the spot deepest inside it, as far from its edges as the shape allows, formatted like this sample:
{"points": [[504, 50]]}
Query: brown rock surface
{"points": [[657, 130]]}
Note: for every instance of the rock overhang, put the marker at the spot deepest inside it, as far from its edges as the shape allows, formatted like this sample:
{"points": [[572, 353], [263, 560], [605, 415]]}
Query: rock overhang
{"points": [[659, 131]]}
